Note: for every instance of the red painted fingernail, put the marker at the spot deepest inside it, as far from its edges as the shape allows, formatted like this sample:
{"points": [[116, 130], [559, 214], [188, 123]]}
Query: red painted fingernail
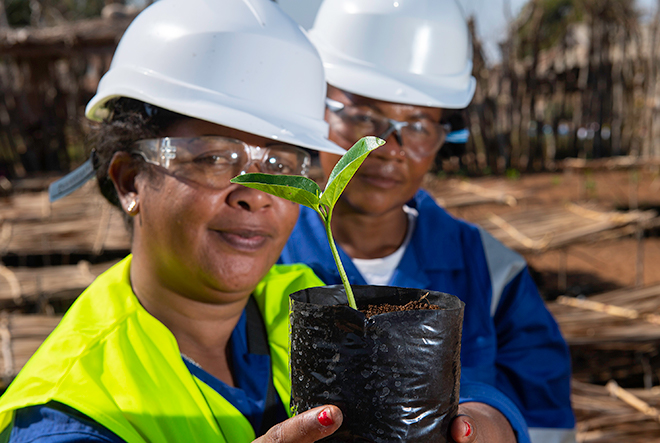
{"points": [[468, 432], [325, 419]]}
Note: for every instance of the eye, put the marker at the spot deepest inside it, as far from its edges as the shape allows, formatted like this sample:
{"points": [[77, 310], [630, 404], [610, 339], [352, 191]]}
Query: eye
{"points": [[422, 127], [365, 121], [217, 159], [281, 165], [363, 117]]}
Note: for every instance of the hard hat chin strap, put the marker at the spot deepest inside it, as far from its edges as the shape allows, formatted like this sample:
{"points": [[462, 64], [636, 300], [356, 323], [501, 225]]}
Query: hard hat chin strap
{"points": [[74, 179]]}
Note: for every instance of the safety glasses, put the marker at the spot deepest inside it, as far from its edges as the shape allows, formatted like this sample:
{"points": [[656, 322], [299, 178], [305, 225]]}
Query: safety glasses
{"points": [[212, 161], [419, 137]]}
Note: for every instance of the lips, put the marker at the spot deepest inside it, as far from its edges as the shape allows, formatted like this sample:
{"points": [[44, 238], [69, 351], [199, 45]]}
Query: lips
{"points": [[248, 240], [386, 176]]}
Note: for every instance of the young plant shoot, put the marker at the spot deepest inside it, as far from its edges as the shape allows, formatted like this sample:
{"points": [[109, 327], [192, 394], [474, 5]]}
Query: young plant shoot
{"points": [[306, 192]]}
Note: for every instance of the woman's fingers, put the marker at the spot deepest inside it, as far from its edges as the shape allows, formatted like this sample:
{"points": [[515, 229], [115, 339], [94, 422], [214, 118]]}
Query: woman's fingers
{"points": [[308, 427], [463, 429]]}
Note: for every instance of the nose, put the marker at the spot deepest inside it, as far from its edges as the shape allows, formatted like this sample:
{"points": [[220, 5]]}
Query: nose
{"points": [[249, 199], [392, 149], [253, 164]]}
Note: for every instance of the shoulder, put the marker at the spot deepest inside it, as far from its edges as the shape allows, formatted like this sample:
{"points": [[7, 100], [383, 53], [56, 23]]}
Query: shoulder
{"points": [[92, 334], [496, 251], [443, 241], [436, 220], [104, 304], [102, 308]]}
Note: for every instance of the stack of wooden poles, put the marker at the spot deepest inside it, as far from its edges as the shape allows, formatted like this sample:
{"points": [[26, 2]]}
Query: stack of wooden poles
{"points": [[34, 230]]}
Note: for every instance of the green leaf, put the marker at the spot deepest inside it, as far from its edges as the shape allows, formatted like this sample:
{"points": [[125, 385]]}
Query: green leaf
{"points": [[290, 187], [346, 167]]}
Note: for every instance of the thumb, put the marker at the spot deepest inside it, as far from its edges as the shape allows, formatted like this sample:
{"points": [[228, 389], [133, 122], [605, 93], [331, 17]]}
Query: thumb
{"points": [[308, 427], [463, 430]]}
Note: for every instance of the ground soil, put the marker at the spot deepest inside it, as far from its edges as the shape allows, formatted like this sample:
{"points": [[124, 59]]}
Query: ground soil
{"points": [[593, 267], [372, 310]]}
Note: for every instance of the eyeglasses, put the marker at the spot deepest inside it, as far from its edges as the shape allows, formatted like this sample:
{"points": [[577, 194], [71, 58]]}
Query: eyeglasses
{"points": [[419, 137], [212, 161]]}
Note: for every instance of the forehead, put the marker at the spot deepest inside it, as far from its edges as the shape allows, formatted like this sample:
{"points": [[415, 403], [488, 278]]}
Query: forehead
{"points": [[396, 111], [191, 127]]}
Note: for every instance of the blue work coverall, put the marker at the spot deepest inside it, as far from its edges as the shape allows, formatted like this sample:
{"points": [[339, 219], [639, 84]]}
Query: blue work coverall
{"points": [[510, 340]]}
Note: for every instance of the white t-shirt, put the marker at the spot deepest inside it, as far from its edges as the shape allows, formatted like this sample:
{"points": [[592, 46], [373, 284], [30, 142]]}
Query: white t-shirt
{"points": [[379, 271]]}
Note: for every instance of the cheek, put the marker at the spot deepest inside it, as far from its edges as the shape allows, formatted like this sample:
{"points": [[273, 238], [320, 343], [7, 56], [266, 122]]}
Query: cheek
{"points": [[419, 168], [179, 208], [339, 139]]}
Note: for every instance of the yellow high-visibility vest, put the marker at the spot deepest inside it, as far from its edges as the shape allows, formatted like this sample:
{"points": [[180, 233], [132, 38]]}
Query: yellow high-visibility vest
{"points": [[116, 363]]}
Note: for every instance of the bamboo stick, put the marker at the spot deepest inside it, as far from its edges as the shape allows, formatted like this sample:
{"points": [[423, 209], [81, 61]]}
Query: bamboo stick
{"points": [[598, 307], [608, 309], [503, 197], [5, 347], [20, 337], [14, 285], [634, 401], [550, 228], [61, 282], [519, 236]]}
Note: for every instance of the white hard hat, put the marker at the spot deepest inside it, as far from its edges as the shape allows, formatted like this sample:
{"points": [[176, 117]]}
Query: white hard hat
{"points": [[415, 52], [238, 63]]}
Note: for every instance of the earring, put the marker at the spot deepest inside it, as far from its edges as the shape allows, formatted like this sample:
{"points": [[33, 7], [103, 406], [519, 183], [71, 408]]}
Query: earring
{"points": [[132, 207]]}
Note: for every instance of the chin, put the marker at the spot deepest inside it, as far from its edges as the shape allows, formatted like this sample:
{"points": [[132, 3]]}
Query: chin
{"points": [[369, 205], [238, 274]]}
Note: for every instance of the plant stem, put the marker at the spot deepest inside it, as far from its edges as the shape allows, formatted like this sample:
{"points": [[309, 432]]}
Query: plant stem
{"points": [[340, 267]]}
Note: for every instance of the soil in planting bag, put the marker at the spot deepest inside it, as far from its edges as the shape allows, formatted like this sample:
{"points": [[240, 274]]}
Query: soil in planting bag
{"points": [[395, 375]]}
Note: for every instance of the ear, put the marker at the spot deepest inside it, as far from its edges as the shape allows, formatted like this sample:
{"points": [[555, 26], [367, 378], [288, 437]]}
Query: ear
{"points": [[123, 171]]}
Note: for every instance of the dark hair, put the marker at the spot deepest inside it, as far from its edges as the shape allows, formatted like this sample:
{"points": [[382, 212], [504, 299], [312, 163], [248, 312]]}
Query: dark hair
{"points": [[130, 120]]}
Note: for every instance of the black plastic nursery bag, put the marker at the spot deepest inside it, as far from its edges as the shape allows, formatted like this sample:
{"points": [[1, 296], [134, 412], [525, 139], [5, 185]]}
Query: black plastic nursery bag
{"points": [[395, 376]]}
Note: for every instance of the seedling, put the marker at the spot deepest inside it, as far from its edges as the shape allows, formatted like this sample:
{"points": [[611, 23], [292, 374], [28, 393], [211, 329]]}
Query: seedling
{"points": [[306, 192]]}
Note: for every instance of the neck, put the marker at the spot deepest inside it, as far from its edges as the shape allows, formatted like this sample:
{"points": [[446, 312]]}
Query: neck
{"points": [[369, 235], [202, 329]]}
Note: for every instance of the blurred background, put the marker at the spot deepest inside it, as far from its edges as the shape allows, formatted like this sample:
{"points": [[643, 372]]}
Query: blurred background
{"points": [[557, 79], [562, 165]]}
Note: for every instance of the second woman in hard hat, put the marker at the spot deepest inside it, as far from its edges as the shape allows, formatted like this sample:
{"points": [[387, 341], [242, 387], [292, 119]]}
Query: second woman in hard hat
{"points": [[394, 68], [186, 339]]}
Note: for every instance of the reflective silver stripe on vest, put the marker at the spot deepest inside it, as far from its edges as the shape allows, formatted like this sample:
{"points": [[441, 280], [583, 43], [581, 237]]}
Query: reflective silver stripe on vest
{"points": [[503, 266], [552, 435]]}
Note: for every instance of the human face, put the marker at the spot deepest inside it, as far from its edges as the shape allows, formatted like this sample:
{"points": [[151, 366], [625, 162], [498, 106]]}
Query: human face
{"points": [[213, 245], [389, 176]]}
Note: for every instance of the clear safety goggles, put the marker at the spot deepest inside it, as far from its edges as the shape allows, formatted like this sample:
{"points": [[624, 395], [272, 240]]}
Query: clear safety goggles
{"points": [[419, 137], [212, 161]]}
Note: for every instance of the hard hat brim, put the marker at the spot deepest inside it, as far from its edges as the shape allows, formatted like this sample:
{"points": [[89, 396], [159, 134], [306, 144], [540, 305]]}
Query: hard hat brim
{"points": [[210, 106], [358, 77], [377, 85]]}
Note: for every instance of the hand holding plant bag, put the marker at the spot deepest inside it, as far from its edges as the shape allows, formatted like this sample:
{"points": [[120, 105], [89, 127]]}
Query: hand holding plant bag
{"points": [[306, 192], [395, 375]]}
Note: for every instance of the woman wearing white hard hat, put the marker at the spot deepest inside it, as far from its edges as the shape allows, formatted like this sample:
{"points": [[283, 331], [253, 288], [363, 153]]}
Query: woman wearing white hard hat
{"points": [[186, 339], [394, 68]]}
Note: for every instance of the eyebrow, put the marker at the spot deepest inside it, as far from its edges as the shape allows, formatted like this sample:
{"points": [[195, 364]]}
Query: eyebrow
{"points": [[372, 106], [353, 102], [268, 143], [418, 115], [424, 115]]}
